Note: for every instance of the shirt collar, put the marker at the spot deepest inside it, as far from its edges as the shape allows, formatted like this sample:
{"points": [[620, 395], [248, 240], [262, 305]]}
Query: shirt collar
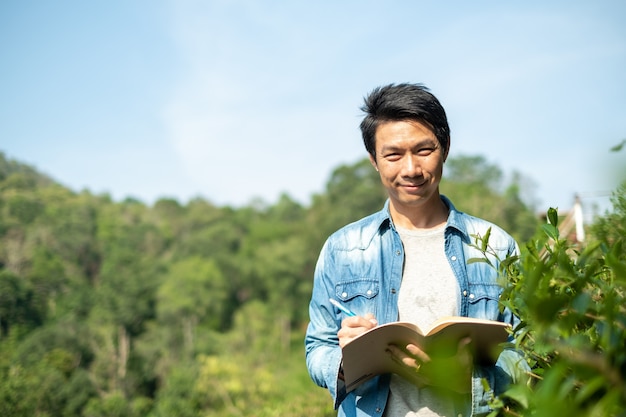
{"points": [[455, 218]]}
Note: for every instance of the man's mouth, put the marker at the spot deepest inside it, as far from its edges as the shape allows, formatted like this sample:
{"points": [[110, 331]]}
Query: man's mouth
{"points": [[413, 184]]}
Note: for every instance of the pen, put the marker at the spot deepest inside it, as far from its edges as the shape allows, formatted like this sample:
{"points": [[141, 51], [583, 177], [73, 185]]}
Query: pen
{"points": [[342, 308]]}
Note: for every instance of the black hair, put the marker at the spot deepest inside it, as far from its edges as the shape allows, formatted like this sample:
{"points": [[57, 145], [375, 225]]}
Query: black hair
{"points": [[402, 102]]}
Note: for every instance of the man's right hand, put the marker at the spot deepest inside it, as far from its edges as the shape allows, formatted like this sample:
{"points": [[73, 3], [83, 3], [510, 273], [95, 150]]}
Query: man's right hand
{"points": [[351, 327]]}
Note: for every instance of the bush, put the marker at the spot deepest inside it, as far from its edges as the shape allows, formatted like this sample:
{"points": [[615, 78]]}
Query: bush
{"points": [[571, 300]]}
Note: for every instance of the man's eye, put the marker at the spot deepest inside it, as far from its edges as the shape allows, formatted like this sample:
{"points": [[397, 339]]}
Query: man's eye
{"points": [[392, 156], [425, 151]]}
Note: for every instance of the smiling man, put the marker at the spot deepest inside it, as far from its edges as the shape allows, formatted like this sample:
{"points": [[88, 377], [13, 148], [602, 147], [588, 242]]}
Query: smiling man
{"points": [[409, 159], [408, 262]]}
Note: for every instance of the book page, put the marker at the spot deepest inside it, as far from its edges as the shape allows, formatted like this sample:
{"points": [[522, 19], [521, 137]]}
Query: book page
{"points": [[365, 356], [485, 335], [443, 322]]}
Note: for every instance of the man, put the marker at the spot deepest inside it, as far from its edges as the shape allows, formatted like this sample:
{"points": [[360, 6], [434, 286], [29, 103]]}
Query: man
{"points": [[408, 262]]}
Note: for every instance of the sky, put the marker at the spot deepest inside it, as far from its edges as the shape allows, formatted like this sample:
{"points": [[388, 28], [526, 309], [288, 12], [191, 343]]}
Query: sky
{"points": [[236, 101]]}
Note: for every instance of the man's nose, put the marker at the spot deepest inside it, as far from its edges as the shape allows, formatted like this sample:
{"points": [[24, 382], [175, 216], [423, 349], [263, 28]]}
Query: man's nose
{"points": [[412, 166]]}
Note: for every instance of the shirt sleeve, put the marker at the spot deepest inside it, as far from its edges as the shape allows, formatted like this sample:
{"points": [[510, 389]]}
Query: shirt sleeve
{"points": [[323, 354]]}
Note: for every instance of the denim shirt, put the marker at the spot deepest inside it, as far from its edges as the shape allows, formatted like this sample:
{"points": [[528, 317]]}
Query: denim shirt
{"points": [[361, 266]]}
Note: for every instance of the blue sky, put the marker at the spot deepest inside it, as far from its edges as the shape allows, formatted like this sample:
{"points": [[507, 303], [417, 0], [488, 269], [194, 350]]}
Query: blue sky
{"points": [[233, 100]]}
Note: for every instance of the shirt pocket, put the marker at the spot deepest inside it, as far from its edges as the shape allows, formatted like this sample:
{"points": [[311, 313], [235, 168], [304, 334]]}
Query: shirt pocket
{"points": [[484, 301], [347, 290], [359, 295]]}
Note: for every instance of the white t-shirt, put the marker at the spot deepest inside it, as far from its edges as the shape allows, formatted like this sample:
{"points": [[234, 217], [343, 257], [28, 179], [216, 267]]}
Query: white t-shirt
{"points": [[429, 291]]}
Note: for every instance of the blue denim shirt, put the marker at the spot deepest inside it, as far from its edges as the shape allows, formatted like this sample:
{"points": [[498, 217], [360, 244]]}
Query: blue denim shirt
{"points": [[361, 266]]}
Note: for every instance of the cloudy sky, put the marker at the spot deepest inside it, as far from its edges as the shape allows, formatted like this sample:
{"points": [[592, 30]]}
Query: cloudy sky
{"points": [[235, 100]]}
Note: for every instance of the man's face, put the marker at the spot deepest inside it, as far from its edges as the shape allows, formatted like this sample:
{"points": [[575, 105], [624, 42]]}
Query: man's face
{"points": [[410, 161]]}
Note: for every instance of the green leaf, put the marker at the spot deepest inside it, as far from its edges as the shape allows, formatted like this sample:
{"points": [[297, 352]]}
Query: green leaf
{"points": [[508, 261], [619, 146], [520, 394], [591, 387], [485, 240], [551, 231], [553, 216], [581, 303], [478, 260]]}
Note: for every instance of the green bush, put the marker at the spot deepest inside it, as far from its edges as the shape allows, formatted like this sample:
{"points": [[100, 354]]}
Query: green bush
{"points": [[571, 300]]}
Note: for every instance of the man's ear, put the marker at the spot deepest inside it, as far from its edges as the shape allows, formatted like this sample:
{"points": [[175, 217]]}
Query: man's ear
{"points": [[373, 162]]}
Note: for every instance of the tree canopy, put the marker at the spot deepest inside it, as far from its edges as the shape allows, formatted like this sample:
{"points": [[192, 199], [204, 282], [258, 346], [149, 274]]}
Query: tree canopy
{"points": [[125, 309]]}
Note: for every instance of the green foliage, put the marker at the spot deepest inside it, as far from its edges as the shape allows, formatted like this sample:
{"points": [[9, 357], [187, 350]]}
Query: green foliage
{"points": [[572, 303], [177, 397], [477, 187], [257, 369], [353, 191], [15, 303], [116, 405], [611, 227], [17, 175], [122, 309]]}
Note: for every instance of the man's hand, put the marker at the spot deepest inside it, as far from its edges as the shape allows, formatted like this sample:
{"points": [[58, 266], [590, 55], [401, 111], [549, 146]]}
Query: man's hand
{"points": [[451, 372], [351, 327]]}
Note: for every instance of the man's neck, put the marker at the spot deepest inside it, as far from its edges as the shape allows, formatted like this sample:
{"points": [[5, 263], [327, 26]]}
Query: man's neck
{"points": [[431, 214]]}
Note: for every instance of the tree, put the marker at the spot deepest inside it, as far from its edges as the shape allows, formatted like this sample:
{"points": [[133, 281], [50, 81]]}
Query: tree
{"points": [[194, 292], [15, 308], [353, 191], [477, 187], [611, 228]]}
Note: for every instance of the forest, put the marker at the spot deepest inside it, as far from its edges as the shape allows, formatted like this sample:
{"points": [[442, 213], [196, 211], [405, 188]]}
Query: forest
{"points": [[120, 308]]}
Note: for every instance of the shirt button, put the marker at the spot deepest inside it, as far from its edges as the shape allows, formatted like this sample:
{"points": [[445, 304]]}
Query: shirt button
{"points": [[464, 293], [369, 292], [344, 294], [398, 252], [453, 258], [471, 296]]}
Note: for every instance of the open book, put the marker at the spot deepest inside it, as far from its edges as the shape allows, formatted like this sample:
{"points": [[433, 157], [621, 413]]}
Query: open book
{"points": [[364, 357]]}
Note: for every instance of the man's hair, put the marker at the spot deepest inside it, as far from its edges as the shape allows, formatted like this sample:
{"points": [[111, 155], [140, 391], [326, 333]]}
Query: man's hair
{"points": [[403, 102]]}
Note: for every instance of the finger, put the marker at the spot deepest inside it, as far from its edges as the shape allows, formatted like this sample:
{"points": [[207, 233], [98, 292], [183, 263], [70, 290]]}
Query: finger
{"points": [[370, 317], [352, 327], [418, 353], [368, 321], [464, 353], [464, 342], [400, 356]]}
